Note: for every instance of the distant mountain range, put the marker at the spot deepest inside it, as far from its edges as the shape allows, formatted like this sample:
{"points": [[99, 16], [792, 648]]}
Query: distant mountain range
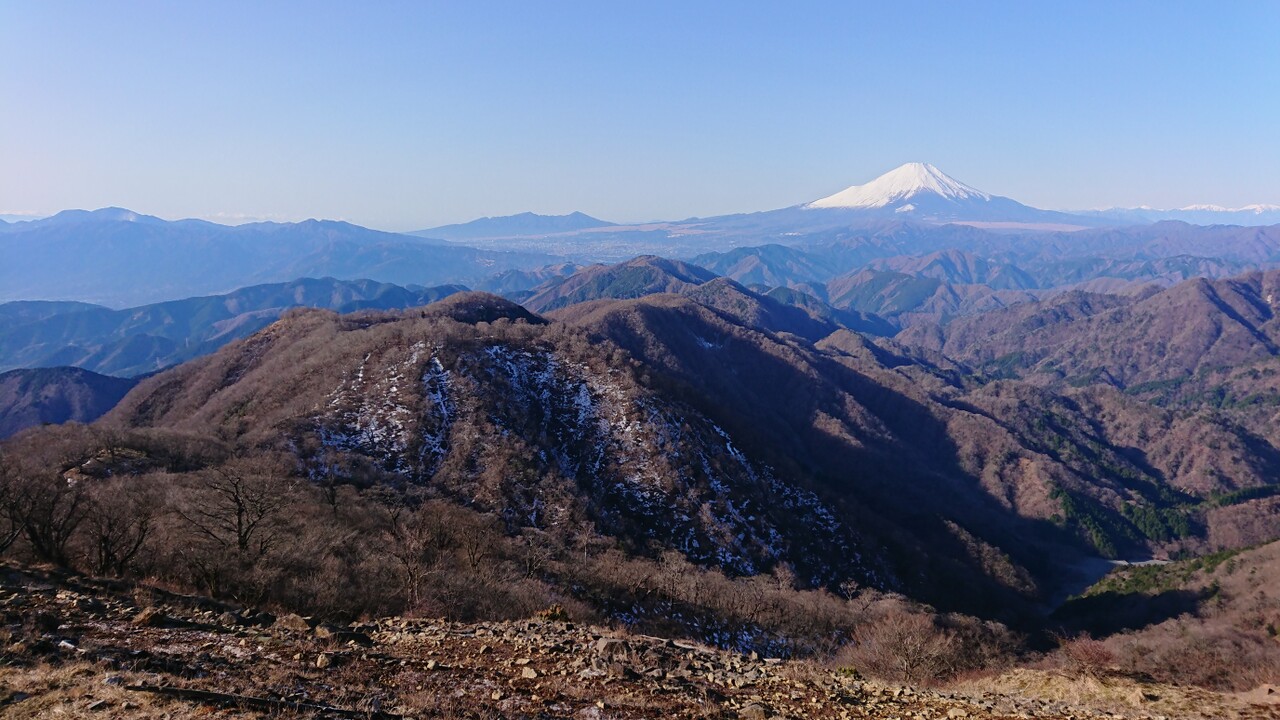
{"points": [[520, 284], [121, 258], [6, 218], [875, 278], [647, 275], [522, 225], [922, 191], [1195, 214], [140, 340], [911, 272], [915, 193]]}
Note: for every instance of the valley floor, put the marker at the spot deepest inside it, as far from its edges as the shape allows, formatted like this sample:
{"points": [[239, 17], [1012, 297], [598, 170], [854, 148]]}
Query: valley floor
{"points": [[77, 647]]}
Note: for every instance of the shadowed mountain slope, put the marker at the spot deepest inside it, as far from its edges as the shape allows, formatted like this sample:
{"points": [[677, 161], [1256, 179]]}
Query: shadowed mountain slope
{"points": [[865, 412], [56, 395]]}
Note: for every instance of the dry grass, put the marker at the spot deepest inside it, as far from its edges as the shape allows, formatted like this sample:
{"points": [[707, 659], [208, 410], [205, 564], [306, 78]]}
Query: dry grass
{"points": [[79, 690], [1120, 694]]}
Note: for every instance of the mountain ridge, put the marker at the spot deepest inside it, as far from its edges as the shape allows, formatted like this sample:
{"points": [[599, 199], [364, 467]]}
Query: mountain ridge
{"points": [[520, 224], [122, 258], [139, 340]]}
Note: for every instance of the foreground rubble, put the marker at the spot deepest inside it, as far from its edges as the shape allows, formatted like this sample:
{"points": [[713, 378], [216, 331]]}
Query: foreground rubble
{"points": [[75, 647]]}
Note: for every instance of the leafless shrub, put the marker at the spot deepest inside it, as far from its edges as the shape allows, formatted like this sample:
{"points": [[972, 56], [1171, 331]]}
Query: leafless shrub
{"points": [[902, 646], [1216, 655], [1086, 655]]}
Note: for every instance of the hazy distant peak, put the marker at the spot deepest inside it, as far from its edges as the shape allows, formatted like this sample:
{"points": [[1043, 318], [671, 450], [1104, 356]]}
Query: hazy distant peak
{"points": [[116, 214], [901, 183], [575, 215], [522, 224]]}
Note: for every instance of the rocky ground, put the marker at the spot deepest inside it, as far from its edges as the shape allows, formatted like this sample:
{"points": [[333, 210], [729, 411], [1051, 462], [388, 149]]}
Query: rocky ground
{"points": [[77, 647]]}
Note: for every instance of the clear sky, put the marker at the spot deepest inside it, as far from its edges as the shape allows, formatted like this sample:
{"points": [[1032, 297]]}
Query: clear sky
{"points": [[409, 115]]}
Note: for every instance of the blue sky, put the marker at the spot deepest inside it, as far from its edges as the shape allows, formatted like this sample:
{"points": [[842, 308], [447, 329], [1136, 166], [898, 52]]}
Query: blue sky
{"points": [[408, 115]]}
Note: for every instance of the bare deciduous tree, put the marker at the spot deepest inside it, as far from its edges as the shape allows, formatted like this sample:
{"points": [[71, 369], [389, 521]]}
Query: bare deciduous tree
{"points": [[10, 528], [415, 538], [235, 515], [120, 518], [238, 506], [49, 508]]}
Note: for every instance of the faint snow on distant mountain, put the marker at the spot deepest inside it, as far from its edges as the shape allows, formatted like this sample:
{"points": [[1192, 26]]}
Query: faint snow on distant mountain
{"points": [[1257, 214]]}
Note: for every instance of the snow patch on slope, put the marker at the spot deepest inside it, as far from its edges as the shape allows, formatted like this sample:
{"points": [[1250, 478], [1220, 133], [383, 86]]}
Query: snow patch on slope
{"points": [[384, 417], [654, 470], [435, 425]]}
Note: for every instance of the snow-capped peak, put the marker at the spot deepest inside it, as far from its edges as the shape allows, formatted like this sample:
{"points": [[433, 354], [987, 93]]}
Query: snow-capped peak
{"points": [[1255, 209], [899, 184]]}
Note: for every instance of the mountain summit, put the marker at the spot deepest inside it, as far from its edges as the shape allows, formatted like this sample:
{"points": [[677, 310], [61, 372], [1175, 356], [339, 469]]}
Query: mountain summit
{"points": [[922, 192], [902, 183]]}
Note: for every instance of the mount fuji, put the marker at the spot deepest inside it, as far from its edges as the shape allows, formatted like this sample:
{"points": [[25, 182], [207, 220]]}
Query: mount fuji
{"points": [[920, 191], [918, 195], [901, 185]]}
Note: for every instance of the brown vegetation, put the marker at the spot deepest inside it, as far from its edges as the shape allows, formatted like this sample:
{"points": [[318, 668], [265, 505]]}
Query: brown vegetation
{"points": [[896, 643], [661, 464], [79, 647]]}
